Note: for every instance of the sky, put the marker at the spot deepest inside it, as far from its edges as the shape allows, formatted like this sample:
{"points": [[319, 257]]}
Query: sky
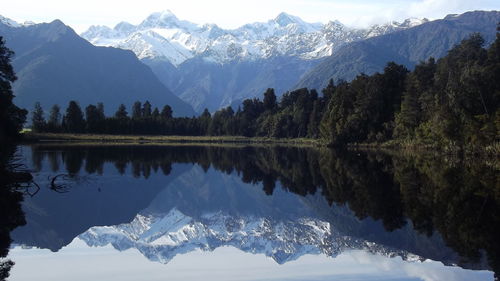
{"points": [[80, 14]]}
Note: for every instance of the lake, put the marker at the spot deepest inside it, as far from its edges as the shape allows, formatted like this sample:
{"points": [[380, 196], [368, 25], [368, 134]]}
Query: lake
{"points": [[194, 212]]}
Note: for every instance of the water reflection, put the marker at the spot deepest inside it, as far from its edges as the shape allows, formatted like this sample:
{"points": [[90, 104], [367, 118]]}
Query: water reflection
{"points": [[11, 214], [225, 263], [165, 201]]}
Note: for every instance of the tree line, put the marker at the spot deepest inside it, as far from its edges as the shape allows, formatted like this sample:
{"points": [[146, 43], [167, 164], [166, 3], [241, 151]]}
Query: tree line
{"points": [[451, 102]]}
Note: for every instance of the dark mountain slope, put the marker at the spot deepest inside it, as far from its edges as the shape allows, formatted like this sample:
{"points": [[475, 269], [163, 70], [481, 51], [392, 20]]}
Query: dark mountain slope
{"points": [[407, 47], [54, 65], [211, 85]]}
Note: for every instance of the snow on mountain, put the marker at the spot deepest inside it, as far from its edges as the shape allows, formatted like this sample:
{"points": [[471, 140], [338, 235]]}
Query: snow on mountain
{"points": [[9, 22], [377, 30], [161, 237], [163, 36], [13, 23]]}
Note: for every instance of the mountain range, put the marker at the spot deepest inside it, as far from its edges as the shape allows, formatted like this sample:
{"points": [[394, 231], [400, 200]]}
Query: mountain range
{"points": [[162, 237], [54, 65], [194, 66], [163, 36], [210, 67], [407, 47]]}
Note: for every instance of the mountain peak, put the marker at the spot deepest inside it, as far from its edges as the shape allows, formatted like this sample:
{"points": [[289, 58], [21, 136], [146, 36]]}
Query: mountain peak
{"points": [[161, 19], [8, 22], [162, 237], [284, 19], [57, 22], [334, 23], [411, 22], [166, 14]]}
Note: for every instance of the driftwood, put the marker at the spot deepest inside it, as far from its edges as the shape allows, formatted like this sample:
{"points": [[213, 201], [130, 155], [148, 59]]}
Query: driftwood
{"points": [[59, 187]]}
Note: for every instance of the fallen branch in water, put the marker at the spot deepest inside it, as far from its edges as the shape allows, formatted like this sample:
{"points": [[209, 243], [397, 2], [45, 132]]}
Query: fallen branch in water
{"points": [[60, 188]]}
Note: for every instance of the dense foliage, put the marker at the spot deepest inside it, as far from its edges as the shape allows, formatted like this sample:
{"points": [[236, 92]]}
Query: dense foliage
{"points": [[11, 117], [451, 103], [11, 214]]}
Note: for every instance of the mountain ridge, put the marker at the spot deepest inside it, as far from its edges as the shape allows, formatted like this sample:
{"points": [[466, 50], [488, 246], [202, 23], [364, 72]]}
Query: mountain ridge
{"points": [[210, 67], [161, 238], [407, 47], [278, 36], [54, 65]]}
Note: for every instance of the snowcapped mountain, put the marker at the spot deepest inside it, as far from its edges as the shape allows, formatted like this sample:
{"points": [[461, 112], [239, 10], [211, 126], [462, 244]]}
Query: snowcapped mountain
{"points": [[54, 65], [161, 237], [418, 42], [211, 67], [163, 36], [8, 22], [13, 23]]}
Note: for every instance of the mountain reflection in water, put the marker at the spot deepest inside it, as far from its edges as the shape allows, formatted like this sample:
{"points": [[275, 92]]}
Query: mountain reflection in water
{"points": [[283, 202]]}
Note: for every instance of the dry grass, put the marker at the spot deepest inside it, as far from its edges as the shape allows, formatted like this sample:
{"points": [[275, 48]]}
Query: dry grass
{"points": [[127, 139]]}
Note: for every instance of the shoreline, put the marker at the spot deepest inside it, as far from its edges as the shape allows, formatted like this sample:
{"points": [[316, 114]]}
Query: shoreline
{"points": [[107, 139], [144, 139]]}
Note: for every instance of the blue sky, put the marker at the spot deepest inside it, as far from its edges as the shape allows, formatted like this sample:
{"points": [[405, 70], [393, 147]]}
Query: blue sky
{"points": [[233, 13]]}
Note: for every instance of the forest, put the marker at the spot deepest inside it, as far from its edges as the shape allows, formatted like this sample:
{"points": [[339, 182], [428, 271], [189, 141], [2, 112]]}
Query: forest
{"points": [[449, 103]]}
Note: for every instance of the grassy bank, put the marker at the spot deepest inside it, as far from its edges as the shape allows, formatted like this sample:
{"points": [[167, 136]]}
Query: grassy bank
{"points": [[492, 150], [394, 145], [131, 139]]}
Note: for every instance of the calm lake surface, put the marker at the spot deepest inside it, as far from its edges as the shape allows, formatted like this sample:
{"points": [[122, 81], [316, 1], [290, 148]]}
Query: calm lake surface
{"points": [[253, 213]]}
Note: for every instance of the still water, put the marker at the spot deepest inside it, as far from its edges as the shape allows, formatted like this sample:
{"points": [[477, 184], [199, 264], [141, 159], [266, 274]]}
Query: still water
{"points": [[253, 213]]}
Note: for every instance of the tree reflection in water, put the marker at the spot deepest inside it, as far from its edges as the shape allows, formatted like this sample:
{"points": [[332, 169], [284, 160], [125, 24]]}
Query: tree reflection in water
{"points": [[458, 199], [11, 215]]}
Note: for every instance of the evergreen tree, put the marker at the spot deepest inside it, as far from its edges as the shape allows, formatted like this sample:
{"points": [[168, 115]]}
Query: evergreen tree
{"points": [[37, 118], [12, 118], [222, 122], [137, 110], [329, 90], [54, 122], [146, 110], [417, 100], [156, 114], [204, 122], [270, 100], [100, 111], [121, 113], [462, 96], [93, 119], [74, 121], [166, 112], [314, 120]]}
